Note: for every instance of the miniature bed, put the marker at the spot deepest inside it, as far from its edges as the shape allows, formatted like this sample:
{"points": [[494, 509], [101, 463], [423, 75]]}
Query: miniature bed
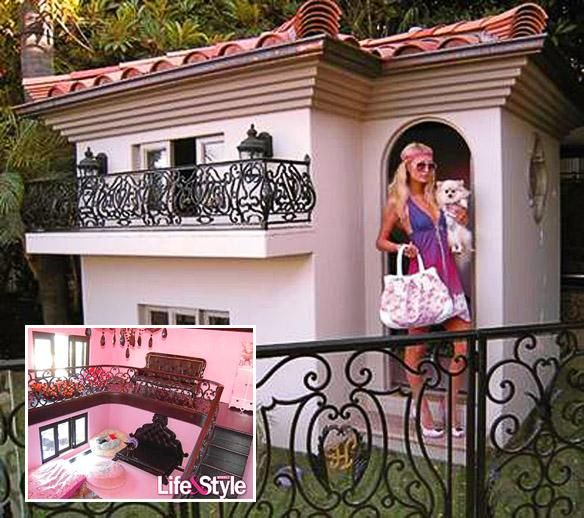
{"points": [[55, 480], [154, 449]]}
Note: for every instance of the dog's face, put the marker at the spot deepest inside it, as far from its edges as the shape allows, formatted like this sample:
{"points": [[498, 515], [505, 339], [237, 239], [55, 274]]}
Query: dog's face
{"points": [[451, 191]]}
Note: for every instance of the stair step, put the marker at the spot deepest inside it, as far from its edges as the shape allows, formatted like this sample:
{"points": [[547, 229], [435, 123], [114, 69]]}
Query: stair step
{"points": [[232, 441], [224, 460]]}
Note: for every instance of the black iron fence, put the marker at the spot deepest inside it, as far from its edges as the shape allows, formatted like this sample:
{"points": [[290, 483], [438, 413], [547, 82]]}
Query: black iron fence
{"points": [[336, 437], [240, 194]]}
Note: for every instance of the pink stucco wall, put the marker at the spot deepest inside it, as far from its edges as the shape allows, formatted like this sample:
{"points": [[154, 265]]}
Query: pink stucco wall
{"points": [[120, 417], [97, 420]]}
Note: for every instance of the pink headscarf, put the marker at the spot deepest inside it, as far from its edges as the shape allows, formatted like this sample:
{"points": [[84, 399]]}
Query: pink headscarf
{"points": [[414, 151]]}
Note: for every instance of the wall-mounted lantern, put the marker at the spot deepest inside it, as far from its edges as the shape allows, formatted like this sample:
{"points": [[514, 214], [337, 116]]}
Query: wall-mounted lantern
{"points": [[92, 165], [255, 146]]}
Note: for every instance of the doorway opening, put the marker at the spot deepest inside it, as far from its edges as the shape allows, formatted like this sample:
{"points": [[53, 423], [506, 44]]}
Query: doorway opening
{"points": [[453, 158]]}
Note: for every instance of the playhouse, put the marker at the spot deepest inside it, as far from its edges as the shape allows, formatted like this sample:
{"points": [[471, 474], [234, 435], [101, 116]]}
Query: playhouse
{"points": [[243, 182]]}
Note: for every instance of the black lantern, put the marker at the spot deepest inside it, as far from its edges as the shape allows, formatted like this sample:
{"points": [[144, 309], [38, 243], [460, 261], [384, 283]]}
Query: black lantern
{"points": [[255, 146], [92, 165]]}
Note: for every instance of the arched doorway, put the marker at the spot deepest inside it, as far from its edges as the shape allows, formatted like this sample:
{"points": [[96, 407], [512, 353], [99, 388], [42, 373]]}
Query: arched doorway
{"points": [[453, 157]]}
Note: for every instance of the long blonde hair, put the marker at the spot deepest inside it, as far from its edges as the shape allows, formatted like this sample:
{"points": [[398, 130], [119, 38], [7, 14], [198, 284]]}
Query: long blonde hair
{"points": [[399, 190]]}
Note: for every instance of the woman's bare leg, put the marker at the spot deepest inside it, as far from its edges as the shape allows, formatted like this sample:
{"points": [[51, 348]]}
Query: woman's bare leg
{"points": [[413, 356], [457, 324]]}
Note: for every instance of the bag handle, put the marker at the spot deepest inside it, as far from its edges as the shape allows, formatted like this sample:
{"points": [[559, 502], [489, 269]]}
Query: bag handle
{"points": [[400, 257]]}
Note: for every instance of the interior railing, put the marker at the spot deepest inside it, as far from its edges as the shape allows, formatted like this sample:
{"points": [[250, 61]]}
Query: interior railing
{"points": [[50, 386]]}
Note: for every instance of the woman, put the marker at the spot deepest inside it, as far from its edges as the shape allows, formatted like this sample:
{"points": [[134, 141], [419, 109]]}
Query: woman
{"points": [[412, 206]]}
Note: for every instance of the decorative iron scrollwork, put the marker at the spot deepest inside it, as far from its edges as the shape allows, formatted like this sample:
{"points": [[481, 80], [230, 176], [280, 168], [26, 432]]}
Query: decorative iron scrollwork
{"points": [[245, 193]]}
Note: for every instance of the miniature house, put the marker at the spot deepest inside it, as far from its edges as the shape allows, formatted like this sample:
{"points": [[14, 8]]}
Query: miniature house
{"points": [[89, 397], [494, 88]]}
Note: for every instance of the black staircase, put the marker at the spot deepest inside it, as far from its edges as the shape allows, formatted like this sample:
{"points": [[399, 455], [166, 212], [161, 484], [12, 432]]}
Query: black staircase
{"points": [[226, 455]]}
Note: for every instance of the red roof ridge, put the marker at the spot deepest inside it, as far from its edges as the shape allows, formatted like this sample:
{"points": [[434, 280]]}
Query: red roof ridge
{"points": [[313, 17], [524, 20]]}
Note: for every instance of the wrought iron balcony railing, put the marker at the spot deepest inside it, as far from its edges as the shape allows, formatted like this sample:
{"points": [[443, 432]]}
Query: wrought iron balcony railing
{"points": [[239, 194]]}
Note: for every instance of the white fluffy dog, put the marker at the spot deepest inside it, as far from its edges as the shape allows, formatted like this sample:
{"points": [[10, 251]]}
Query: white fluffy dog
{"points": [[448, 194]]}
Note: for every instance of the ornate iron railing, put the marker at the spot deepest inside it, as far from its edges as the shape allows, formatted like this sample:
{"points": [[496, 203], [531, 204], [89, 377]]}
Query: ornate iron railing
{"points": [[240, 194], [51, 386], [346, 441], [350, 444]]}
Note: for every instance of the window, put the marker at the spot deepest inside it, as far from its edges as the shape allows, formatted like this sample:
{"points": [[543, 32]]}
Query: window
{"points": [[57, 438], [54, 351], [209, 149], [179, 152], [155, 155], [156, 315]]}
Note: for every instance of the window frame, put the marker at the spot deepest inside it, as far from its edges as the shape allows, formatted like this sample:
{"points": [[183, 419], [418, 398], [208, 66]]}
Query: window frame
{"points": [[201, 315], [71, 356], [71, 428], [51, 338], [201, 142], [144, 148], [73, 352]]}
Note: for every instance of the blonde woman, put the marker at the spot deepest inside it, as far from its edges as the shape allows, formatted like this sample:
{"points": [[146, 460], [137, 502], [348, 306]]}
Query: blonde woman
{"points": [[411, 205]]}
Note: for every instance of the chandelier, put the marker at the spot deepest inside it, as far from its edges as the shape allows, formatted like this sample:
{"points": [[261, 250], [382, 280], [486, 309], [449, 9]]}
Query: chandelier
{"points": [[129, 337]]}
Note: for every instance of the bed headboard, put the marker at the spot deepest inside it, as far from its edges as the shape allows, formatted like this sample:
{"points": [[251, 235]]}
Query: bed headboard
{"points": [[176, 364]]}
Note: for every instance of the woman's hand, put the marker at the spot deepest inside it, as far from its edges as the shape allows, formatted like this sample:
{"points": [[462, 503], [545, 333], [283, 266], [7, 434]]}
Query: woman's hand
{"points": [[411, 251], [460, 214]]}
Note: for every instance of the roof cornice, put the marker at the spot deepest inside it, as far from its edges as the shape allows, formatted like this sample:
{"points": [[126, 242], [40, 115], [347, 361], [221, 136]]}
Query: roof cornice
{"points": [[231, 63]]}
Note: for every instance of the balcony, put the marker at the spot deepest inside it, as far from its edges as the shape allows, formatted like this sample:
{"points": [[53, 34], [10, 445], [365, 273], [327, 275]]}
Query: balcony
{"points": [[271, 200]]}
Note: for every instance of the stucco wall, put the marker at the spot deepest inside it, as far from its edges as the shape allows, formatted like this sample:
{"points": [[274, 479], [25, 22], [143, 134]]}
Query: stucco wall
{"points": [[274, 294], [336, 164], [531, 252], [290, 132]]}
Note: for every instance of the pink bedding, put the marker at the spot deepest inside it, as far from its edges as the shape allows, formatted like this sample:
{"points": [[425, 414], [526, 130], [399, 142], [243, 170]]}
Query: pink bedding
{"points": [[55, 480]]}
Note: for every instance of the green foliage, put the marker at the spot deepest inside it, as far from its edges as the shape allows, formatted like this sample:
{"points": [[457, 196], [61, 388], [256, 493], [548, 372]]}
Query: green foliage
{"points": [[28, 149]]}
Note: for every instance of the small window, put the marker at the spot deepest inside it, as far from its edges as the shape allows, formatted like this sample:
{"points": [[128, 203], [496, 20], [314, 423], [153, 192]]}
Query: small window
{"points": [[155, 155], [63, 436], [215, 318], [210, 149], [155, 315]]}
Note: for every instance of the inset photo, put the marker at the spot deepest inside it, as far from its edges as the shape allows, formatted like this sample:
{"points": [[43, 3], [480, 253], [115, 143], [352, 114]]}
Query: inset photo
{"points": [[140, 413]]}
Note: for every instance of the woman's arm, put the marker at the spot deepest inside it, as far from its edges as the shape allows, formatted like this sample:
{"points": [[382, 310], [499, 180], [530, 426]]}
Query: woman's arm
{"points": [[388, 221]]}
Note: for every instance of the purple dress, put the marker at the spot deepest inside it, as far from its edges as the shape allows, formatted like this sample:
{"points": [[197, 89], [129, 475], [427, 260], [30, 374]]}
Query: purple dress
{"points": [[432, 242]]}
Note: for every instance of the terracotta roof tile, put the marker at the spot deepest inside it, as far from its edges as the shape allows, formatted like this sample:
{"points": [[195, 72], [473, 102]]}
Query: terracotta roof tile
{"points": [[313, 17]]}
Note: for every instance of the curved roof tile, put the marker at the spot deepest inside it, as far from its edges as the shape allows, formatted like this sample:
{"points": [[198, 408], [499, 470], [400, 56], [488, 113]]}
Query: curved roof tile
{"points": [[312, 17]]}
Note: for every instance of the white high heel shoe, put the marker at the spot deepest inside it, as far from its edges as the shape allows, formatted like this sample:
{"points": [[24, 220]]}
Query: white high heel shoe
{"points": [[431, 433], [457, 429]]}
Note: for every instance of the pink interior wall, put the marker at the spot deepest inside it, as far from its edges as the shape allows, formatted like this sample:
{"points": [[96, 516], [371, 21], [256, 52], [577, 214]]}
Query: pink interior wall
{"points": [[120, 417], [221, 349], [97, 419]]}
